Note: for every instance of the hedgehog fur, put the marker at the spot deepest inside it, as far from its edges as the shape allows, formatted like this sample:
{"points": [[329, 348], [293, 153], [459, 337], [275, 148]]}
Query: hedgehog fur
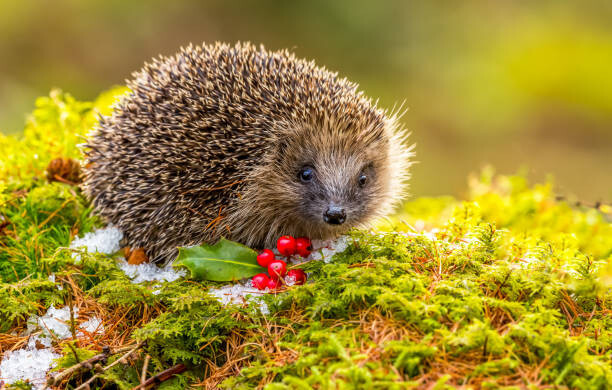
{"points": [[244, 143]]}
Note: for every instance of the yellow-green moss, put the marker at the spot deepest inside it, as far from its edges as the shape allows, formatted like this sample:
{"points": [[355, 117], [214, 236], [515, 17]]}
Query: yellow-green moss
{"points": [[511, 287]]}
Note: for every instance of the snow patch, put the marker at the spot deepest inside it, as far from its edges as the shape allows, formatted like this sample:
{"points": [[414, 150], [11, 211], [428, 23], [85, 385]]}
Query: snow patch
{"points": [[56, 322], [326, 249], [147, 272], [105, 240], [28, 365], [239, 294], [34, 361], [91, 326]]}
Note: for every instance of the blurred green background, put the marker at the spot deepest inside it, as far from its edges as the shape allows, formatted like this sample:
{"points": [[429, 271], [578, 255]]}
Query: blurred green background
{"points": [[517, 84]]}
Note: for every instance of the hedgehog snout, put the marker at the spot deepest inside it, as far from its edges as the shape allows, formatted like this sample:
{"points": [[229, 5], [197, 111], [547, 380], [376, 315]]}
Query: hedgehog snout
{"points": [[334, 215]]}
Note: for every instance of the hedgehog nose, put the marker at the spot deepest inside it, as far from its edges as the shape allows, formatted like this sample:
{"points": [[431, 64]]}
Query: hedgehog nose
{"points": [[334, 215]]}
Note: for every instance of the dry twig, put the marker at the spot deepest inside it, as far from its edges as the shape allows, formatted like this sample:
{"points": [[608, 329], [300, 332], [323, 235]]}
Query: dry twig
{"points": [[162, 376], [145, 366], [85, 385]]}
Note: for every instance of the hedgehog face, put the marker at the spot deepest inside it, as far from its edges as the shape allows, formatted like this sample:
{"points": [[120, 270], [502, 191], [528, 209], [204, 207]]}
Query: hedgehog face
{"points": [[337, 191], [320, 179], [328, 179]]}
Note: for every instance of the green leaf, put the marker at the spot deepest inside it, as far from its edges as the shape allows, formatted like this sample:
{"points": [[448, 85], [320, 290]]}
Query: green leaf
{"points": [[222, 262]]}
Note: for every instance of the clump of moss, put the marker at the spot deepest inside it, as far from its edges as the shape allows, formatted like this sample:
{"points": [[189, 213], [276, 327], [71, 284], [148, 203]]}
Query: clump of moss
{"points": [[509, 287], [37, 217]]}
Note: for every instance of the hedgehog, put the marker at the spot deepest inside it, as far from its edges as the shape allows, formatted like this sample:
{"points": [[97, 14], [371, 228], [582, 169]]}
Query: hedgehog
{"points": [[244, 143]]}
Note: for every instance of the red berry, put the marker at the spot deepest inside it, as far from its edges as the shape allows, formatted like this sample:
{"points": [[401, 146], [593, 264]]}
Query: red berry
{"points": [[298, 275], [260, 281], [273, 284], [265, 258], [303, 246], [286, 245], [277, 268]]}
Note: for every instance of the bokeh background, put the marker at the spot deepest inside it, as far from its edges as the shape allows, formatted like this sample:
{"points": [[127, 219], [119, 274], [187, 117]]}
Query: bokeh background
{"points": [[521, 85]]}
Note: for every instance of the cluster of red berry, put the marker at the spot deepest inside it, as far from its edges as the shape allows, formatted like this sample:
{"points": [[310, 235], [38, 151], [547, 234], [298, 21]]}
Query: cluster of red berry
{"points": [[287, 246]]}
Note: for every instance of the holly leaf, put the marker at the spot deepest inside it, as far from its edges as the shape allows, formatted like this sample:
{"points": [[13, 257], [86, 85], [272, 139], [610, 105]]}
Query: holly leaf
{"points": [[223, 262]]}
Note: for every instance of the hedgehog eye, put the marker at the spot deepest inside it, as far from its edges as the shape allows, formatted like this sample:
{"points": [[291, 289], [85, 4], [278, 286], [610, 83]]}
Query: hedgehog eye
{"points": [[363, 179], [306, 174]]}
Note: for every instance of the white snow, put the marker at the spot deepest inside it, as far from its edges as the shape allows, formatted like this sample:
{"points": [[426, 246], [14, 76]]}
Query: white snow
{"points": [[56, 322], [146, 272], [32, 362], [239, 294], [91, 326], [27, 364], [326, 249], [105, 240]]}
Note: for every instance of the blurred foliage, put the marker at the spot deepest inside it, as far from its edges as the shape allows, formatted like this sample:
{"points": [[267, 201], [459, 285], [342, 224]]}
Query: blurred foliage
{"points": [[510, 83], [58, 124], [511, 203]]}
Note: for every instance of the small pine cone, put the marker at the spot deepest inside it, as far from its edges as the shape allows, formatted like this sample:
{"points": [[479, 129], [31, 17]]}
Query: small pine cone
{"points": [[65, 170]]}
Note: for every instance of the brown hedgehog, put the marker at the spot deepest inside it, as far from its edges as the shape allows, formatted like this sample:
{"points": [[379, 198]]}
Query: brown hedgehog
{"points": [[245, 143]]}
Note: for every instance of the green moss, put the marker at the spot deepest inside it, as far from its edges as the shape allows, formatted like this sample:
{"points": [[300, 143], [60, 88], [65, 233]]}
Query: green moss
{"points": [[510, 288], [40, 218], [70, 355], [20, 300]]}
